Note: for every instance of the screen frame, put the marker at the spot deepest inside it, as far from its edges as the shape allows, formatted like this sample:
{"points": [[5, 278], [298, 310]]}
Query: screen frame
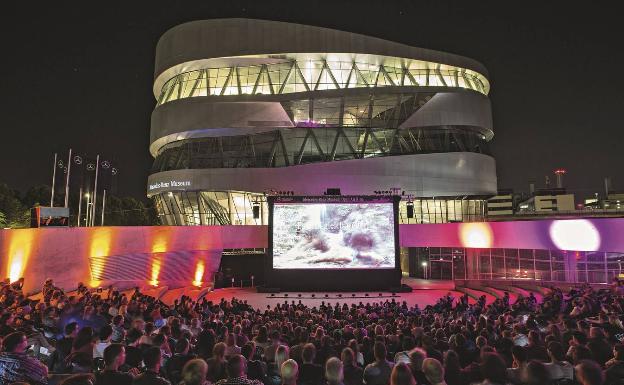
{"points": [[339, 279]]}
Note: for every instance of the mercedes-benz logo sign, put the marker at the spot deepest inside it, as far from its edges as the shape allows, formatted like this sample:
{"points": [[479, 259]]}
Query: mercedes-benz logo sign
{"points": [[77, 159], [114, 171], [90, 167], [106, 164], [60, 164]]}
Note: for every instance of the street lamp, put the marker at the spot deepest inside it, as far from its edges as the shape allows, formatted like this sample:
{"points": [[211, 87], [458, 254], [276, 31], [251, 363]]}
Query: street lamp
{"points": [[424, 265]]}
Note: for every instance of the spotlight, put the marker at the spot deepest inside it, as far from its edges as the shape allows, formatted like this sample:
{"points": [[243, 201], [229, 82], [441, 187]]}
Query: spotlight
{"points": [[353, 295], [313, 295], [326, 295], [299, 295], [339, 295], [366, 295], [380, 294], [286, 295], [272, 295]]}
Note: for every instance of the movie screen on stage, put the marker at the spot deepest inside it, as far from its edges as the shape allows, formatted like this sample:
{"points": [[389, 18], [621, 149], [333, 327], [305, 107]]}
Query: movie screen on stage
{"points": [[334, 233]]}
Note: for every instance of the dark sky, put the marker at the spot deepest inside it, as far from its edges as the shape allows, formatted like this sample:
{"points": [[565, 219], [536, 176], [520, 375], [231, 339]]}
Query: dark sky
{"points": [[81, 76]]}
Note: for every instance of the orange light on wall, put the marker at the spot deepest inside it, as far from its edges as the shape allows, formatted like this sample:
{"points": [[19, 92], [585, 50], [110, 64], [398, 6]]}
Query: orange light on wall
{"points": [[160, 242], [199, 274], [19, 251], [476, 235], [155, 271], [99, 248]]}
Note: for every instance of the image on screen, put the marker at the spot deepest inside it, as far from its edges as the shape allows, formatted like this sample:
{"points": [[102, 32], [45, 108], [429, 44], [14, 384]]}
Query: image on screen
{"points": [[333, 236]]}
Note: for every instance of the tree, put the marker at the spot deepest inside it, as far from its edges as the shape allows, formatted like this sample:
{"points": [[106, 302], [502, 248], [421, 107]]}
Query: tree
{"points": [[15, 214]]}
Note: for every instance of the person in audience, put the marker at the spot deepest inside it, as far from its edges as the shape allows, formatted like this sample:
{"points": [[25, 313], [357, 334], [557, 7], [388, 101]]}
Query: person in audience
{"points": [[402, 375], [217, 363], [417, 356], [237, 372], [57, 363], [493, 370], [16, 365], [231, 348], [615, 366], [309, 372], [194, 372], [334, 372], [433, 371], [114, 358], [558, 368], [176, 363], [256, 369], [352, 372], [517, 373], [152, 358], [79, 379], [588, 372], [289, 372], [378, 372], [597, 343], [536, 373], [105, 335]]}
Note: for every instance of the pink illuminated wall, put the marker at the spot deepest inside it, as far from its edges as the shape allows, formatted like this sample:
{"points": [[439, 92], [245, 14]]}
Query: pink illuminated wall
{"points": [[190, 255]]}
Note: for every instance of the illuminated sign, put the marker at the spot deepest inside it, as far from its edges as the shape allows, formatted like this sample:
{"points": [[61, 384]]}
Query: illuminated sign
{"points": [[170, 184]]}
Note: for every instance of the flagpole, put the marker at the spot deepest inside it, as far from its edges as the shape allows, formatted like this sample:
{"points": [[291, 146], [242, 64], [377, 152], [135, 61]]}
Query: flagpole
{"points": [[79, 206], [97, 168], [103, 206], [53, 180], [67, 179]]}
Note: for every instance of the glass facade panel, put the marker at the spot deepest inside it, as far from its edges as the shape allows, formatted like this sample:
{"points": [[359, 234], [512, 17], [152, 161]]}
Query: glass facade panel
{"points": [[309, 75]]}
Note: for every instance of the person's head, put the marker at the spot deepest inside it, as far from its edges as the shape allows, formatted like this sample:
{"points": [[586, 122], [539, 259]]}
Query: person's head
{"points": [[451, 361], [194, 372], [83, 338], [588, 372], [236, 366], [433, 370], [402, 375], [333, 371], [579, 338], [348, 357], [493, 368], [182, 346], [308, 353], [596, 332], [219, 350], [114, 355], [152, 358], [118, 320], [555, 351], [536, 373], [230, 340], [481, 342], [380, 351], [15, 343], [106, 333], [248, 350], [133, 337], [289, 372], [519, 354], [71, 330], [580, 353], [417, 356], [281, 355]]}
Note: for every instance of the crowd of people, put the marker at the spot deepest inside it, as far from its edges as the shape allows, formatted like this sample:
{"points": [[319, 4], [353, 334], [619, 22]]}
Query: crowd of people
{"points": [[108, 337]]}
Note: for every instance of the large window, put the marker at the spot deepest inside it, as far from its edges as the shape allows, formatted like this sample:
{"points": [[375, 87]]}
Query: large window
{"points": [[314, 75]]}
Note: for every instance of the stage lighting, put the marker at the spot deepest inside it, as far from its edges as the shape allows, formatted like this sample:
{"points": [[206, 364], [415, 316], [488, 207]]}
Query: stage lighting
{"points": [[353, 295], [313, 295], [366, 295], [299, 295], [339, 295], [380, 294], [272, 295], [326, 295], [286, 295]]}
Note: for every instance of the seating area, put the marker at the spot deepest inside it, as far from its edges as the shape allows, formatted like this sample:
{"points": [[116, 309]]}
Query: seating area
{"points": [[485, 335]]}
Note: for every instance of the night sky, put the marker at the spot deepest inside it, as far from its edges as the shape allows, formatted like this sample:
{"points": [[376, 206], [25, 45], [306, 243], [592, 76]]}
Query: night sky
{"points": [[81, 77]]}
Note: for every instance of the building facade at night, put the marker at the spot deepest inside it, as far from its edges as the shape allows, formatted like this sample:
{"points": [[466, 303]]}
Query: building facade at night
{"points": [[250, 107]]}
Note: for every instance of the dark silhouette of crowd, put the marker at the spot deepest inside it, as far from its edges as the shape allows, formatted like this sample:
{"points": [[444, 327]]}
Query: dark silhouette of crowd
{"points": [[106, 337]]}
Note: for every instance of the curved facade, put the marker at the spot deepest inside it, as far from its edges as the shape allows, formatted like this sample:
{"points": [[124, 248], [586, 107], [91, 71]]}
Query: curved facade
{"points": [[246, 107]]}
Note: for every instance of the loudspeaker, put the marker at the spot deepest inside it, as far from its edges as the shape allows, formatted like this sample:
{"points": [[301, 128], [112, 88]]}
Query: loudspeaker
{"points": [[410, 210], [256, 211], [333, 191]]}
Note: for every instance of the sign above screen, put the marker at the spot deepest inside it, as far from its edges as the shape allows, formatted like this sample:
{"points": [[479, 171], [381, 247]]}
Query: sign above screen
{"points": [[333, 233]]}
